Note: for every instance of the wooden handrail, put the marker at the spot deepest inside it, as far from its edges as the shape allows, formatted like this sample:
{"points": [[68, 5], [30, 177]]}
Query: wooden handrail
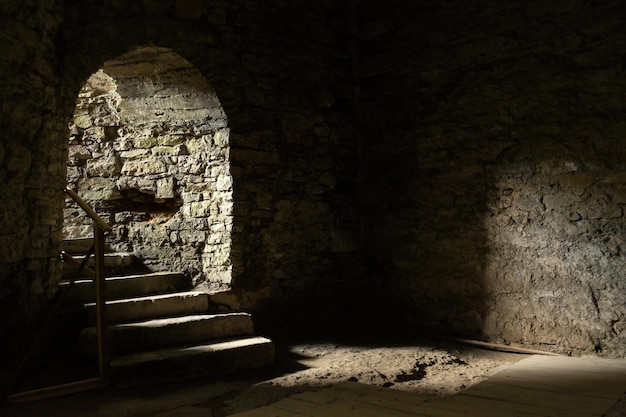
{"points": [[79, 266], [56, 391], [90, 212], [100, 228], [100, 284]]}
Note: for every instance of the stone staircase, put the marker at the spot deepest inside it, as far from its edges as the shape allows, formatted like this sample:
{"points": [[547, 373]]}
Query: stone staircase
{"points": [[158, 324]]}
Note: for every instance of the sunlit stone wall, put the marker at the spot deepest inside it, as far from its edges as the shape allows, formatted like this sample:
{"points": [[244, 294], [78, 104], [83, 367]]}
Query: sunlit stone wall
{"points": [[150, 150], [496, 168], [283, 76]]}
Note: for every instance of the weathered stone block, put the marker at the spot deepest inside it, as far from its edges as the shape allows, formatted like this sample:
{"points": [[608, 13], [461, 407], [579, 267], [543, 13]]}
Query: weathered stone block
{"points": [[146, 166], [83, 121], [221, 138], [203, 209], [224, 183], [196, 144], [146, 185], [557, 201], [170, 140], [225, 207], [106, 166], [600, 206], [169, 150], [216, 255], [165, 188], [192, 165], [98, 189], [134, 153], [94, 133], [125, 217], [145, 142], [80, 152]]}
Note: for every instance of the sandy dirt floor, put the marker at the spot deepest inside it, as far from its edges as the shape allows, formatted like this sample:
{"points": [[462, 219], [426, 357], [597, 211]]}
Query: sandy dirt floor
{"points": [[428, 370], [437, 369]]}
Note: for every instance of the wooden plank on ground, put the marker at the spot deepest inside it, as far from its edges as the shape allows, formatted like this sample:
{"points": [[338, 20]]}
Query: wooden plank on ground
{"points": [[386, 403], [554, 400], [321, 405], [593, 365], [338, 408], [603, 387], [267, 411], [534, 387], [570, 375], [589, 368], [367, 389], [591, 393], [317, 397], [462, 404], [381, 397], [597, 361], [564, 375]]}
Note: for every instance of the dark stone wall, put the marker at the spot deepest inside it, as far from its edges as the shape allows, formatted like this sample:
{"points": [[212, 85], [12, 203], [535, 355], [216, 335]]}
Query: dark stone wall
{"points": [[473, 148], [283, 75], [32, 164], [495, 166]]}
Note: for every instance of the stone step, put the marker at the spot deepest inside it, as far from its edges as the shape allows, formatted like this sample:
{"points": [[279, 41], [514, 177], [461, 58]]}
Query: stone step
{"points": [[115, 261], [153, 306], [79, 246], [130, 286], [158, 333], [218, 357]]}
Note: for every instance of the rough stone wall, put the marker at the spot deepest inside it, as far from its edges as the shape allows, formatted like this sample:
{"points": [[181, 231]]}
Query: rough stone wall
{"points": [[490, 136], [150, 150], [285, 83], [283, 76], [496, 168], [32, 166]]}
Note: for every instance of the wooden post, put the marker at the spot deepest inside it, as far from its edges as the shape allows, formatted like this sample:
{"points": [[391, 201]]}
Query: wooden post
{"points": [[90, 212], [100, 284], [100, 227], [55, 391]]}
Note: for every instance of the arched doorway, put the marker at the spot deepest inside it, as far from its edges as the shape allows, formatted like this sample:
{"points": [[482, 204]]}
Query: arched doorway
{"points": [[149, 149]]}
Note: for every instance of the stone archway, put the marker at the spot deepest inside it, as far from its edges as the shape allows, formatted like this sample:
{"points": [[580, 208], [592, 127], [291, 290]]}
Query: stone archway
{"points": [[149, 149]]}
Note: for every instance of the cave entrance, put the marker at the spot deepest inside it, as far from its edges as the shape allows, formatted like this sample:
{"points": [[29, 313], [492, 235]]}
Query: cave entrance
{"points": [[149, 150]]}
